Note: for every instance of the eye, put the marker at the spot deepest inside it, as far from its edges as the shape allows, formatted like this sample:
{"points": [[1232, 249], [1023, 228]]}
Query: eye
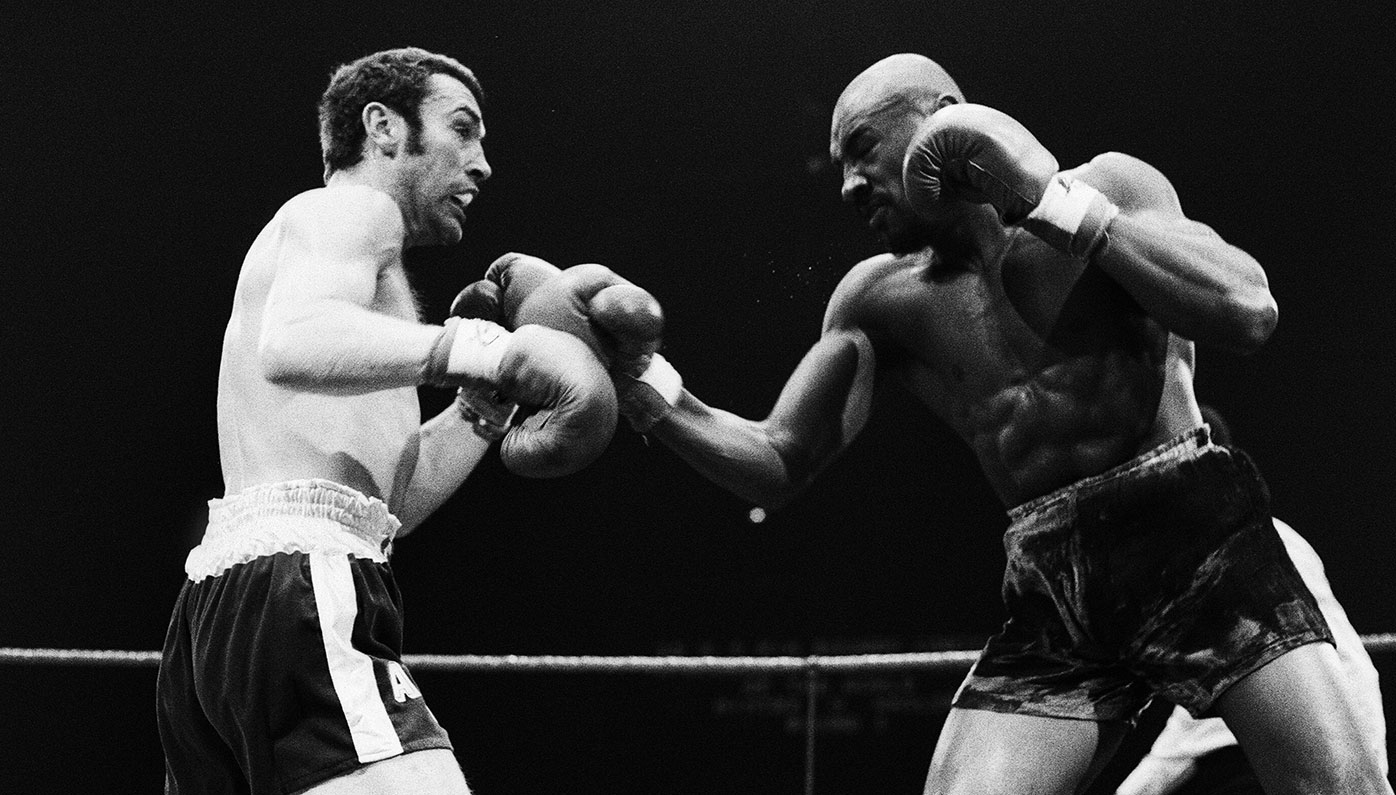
{"points": [[863, 146], [860, 145]]}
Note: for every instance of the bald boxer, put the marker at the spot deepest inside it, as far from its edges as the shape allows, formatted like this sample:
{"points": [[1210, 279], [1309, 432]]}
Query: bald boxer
{"points": [[1049, 316], [282, 669]]}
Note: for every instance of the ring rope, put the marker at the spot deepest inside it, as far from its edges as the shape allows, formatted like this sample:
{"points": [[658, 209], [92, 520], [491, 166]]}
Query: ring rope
{"points": [[930, 662]]}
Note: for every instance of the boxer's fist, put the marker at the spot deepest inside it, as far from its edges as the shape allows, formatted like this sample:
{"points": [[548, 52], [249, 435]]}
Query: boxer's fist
{"points": [[540, 391], [619, 321], [479, 300], [977, 154], [566, 403], [621, 324], [630, 320]]}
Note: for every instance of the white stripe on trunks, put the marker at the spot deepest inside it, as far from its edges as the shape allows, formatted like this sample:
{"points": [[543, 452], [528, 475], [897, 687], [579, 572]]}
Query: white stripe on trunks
{"points": [[351, 671]]}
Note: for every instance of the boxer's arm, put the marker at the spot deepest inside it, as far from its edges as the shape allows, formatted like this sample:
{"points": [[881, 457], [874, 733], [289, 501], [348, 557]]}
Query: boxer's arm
{"points": [[318, 331], [1179, 270], [449, 451], [820, 410]]}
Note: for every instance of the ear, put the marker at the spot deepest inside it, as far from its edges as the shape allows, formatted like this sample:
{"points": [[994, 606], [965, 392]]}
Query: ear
{"points": [[946, 99], [384, 128]]}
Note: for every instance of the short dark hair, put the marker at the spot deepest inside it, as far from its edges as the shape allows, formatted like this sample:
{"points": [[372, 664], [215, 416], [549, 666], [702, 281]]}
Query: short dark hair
{"points": [[398, 79]]}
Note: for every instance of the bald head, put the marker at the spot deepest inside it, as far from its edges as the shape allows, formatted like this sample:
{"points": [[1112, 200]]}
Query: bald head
{"points": [[903, 79], [874, 121]]}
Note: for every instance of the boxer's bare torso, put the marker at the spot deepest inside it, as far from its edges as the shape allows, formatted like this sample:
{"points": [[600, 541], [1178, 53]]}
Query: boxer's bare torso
{"points": [[1045, 367], [270, 432]]}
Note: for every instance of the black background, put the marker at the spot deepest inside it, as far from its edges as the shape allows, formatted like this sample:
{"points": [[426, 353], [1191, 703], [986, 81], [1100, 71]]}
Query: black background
{"points": [[684, 145]]}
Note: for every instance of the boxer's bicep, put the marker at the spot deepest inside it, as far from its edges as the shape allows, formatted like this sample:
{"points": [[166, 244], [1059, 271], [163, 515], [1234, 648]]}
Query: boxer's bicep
{"points": [[332, 250], [329, 322]]}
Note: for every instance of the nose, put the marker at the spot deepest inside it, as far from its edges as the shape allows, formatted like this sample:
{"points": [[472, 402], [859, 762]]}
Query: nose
{"points": [[479, 168], [854, 187]]}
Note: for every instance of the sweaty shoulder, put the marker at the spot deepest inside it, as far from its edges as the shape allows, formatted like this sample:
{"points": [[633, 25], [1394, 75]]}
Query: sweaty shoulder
{"points": [[1132, 184], [860, 290], [347, 211]]}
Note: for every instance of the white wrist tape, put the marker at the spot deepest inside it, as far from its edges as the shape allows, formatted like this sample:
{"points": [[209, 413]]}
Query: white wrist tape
{"points": [[477, 349], [1072, 216], [663, 378], [465, 348]]}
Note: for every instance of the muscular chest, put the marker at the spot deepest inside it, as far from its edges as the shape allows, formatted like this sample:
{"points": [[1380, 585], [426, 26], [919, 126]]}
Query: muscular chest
{"points": [[959, 333], [1027, 320]]}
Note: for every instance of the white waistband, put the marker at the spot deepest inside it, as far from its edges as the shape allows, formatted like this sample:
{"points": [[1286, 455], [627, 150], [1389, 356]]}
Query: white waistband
{"points": [[292, 516]]}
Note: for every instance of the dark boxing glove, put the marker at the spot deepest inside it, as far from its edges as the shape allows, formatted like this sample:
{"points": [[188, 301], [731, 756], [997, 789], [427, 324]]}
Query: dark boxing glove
{"points": [[978, 154], [566, 401], [538, 390], [620, 322]]}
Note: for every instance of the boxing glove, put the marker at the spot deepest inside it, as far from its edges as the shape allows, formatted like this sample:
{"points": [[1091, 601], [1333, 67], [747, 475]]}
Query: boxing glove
{"points": [[647, 386], [620, 322], [978, 154], [540, 391], [566, 401]]}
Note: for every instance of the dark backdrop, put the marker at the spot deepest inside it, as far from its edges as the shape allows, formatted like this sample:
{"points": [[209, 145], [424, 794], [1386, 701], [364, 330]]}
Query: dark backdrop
{"points": [[684, 145]]}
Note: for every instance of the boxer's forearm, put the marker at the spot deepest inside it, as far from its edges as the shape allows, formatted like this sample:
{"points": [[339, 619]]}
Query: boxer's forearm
{"points": [[448, 452], [821, 408], [737, 454]]}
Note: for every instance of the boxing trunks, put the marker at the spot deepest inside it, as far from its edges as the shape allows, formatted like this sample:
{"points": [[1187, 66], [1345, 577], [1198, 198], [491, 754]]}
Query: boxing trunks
{"points": [[1163, 575], [282, 663]]}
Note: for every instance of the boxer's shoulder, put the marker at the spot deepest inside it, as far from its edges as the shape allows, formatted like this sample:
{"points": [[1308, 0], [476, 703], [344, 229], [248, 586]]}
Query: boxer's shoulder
{"points": [[359, 207], [876, 292], [882, 282]]}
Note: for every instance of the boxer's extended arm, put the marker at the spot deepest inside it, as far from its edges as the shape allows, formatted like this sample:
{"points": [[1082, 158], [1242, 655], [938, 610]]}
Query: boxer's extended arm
{"points": [[319, 331], [449, 450], [1179, 270], [820, 410]]}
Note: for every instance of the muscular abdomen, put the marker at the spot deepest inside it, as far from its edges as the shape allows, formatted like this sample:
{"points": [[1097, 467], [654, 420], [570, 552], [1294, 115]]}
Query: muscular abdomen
{"points": [[1074, 419], [1047, 369]]}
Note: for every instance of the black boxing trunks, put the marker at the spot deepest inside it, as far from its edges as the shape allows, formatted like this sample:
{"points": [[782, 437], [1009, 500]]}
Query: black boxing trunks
{"points": [[282, 666], [1163, 575]]}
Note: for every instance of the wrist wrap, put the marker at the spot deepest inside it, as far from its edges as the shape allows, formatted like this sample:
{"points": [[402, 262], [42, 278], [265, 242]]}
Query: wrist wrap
{"points": [[1072, 217]]}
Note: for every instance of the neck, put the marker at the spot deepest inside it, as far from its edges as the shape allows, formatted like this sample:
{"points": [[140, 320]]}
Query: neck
{"points": [[364, 174], [361, 173]]}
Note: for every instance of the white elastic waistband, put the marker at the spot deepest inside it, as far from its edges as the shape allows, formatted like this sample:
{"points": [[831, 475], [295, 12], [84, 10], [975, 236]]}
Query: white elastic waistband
{"points": [[293, 516]]}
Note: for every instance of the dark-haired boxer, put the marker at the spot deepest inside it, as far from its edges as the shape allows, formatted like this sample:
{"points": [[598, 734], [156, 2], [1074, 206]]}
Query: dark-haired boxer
{"points": [[282, 667], [1049, 317]]}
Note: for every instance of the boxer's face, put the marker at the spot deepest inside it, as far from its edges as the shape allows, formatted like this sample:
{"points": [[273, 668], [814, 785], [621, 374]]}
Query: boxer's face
{"points": [[868, 141], [442, 166]]}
